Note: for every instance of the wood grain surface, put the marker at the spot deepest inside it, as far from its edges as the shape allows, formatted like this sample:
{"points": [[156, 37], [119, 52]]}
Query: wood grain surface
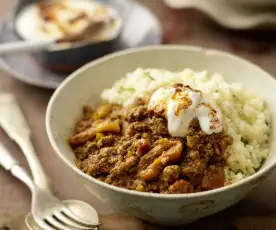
{"points": [[180, 27]]}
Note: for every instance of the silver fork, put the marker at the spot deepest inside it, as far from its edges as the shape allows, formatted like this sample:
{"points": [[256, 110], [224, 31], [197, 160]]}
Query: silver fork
{"points": [[49, 212]]}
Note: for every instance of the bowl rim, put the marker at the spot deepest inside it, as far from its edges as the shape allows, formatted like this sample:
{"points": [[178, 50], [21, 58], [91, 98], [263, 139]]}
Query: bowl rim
{"points": [[253, 178]]}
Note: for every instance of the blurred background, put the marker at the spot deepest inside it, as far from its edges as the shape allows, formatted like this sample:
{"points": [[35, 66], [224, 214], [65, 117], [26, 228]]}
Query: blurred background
{"points": [[245, 28]]}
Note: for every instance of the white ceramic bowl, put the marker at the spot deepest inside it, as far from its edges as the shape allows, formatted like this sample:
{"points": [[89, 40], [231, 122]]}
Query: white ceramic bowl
{"points": [[234, 14], [246, 3], [84, 87]]}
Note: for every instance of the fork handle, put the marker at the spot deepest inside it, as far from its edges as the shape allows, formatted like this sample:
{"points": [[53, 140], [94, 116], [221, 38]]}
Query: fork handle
{"points": [[15, 125], [11, 164]]}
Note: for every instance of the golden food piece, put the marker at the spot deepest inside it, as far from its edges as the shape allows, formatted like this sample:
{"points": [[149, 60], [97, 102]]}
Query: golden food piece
{"points": [[102, 111]]}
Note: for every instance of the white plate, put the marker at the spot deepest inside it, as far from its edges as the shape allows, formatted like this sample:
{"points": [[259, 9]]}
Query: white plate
{"points": [[141, 28], [230, 14]]}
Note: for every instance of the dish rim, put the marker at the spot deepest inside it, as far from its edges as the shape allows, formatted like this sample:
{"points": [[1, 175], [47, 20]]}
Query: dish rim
{"points": [[255, 177], [242, 21]]}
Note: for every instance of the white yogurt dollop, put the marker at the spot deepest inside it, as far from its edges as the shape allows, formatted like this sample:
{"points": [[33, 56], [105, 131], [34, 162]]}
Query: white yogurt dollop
{"points": [[181, 104]]}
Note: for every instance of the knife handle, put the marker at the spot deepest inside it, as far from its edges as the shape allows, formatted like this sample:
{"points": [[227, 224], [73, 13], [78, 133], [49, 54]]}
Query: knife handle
{"points": [[6, 159], [9, 163], [15, 125]]}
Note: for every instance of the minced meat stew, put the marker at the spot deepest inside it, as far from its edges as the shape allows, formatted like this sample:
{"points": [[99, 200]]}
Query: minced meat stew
{"points": [[130, 147]]}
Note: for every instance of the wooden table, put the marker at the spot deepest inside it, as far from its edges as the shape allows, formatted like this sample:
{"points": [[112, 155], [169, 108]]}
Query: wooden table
{"points": [[181, 27]]}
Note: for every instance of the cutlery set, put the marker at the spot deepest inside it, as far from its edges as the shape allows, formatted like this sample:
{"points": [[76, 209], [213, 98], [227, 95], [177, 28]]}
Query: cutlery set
{"points": [[48, 211]]}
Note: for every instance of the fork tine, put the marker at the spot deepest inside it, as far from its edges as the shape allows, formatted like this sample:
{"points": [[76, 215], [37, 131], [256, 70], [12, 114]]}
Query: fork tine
{"points": [[56, 224], [44, 225], [66, 220], [72, 216]]}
